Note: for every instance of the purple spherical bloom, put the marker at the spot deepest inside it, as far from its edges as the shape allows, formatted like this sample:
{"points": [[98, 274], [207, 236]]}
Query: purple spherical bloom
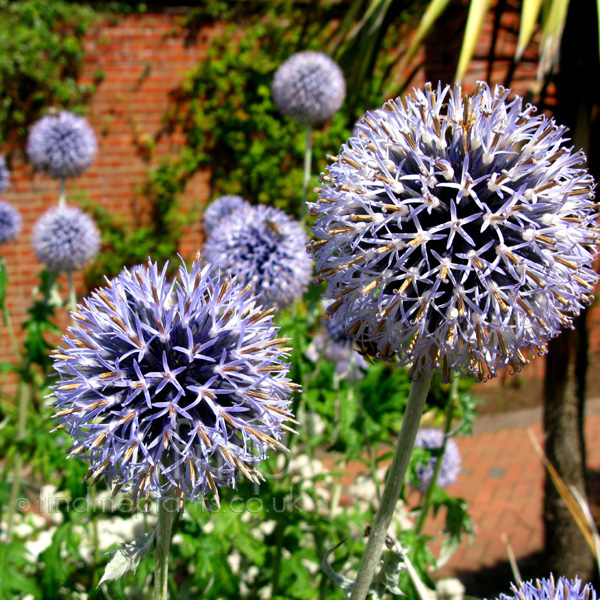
{"points": [[309, 87], [456, 231], [65, 239], [63, 145], [171, 389], [10, 222], [221, 209], [4, 175], [547, 589], [264, 248], [433, 439]]}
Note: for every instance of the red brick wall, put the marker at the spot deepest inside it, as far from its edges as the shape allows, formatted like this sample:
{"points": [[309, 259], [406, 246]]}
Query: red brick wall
{"points": [[144, 58]]}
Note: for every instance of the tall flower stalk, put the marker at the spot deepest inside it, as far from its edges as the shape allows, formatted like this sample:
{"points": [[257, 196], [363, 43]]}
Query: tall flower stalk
{"points": [[307, 170], [309, 87], [440, 458], [455, 232]]}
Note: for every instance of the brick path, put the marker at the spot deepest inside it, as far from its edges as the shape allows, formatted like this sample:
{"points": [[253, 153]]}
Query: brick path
{"points": [[502, 480]]}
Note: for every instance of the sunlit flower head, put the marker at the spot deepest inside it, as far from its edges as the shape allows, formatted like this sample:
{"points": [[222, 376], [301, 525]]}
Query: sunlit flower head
{"points": [[65, 239], [433, 439], [264, 248], [547, 589], [4, 175], [10, 222], [63, 145], [456, 231], [173, 388], [309, 87], [221, 209]]}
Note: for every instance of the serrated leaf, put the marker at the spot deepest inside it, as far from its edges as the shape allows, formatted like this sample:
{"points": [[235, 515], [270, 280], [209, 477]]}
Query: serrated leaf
{"points": [[389, 577], [128, 557]]}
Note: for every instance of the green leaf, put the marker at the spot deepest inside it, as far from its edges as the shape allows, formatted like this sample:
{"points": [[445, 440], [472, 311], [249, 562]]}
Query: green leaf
{"points": [[529, 16], [432, 13], [478, 10], [128, 558], [554, 15]]}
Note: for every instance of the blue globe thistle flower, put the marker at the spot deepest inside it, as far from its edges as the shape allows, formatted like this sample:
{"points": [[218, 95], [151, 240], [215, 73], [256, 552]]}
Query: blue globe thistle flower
{"points": [[63, 145], [65, 238], [10, 222], [171, 389], [264, 248], [547, 589], [4, 175], [309, 87], [221, 209], [455, 231], [433, 439]]}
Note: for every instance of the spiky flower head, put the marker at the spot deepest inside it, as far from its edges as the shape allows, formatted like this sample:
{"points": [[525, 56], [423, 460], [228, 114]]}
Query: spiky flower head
{"points": [[455, 231], [433, 439], [65, 238], [10, 222], [264, 248], [547, 589], [172, 388], [4, 175], [309, 87], [221, 209], [63, 145]]}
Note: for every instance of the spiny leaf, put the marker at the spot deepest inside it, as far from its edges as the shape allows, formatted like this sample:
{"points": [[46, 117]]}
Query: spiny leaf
{"points": [[128, 557]]}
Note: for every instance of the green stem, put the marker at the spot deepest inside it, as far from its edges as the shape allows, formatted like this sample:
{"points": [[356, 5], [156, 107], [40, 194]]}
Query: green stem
{"points": [[164, 528], [24, 392], [72, 293], [393, 487], [62, 199], [95, 535], [307, 167], [279, 527], [440, 458], [8, 320]]}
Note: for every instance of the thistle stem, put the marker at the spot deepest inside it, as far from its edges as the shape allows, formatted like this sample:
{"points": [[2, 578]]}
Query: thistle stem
{"points": [[23, 397], [393, 486], [164, 528], [72, 293], [8, 320], [62, 199], [307, 167], [440, 458]]}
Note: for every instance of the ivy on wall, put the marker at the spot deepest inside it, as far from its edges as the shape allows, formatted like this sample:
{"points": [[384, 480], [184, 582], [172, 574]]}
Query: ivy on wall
{"points": [[41, 54], [224, 107]]}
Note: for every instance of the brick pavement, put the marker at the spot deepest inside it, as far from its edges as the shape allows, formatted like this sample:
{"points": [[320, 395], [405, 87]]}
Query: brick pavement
{"points": [[502, 480]]}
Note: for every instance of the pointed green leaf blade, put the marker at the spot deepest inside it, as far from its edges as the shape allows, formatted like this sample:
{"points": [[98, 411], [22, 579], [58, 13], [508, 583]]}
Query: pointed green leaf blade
{"points": [[478, 10], [432, 13], [529, 16]]}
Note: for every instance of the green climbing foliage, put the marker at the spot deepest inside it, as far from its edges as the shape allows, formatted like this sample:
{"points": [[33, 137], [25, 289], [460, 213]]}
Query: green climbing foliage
{"points": [[41, 55], [225, 108]]}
